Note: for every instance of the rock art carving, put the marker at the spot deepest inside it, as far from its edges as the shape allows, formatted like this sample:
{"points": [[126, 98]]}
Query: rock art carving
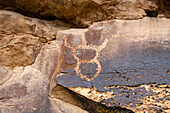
{"points": [[94, 60]]}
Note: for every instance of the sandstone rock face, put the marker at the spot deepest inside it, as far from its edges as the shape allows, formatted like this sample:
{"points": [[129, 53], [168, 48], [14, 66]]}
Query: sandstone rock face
{"points": [[26, 89], [45, 67], [21, 38], [112, 62], [31, 51], [20, 93], [82, 13], [128, 67], [27, 92]]}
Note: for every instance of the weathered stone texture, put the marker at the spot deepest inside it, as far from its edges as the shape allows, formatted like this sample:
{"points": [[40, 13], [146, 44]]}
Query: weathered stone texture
{"points": [[27, 88], [5, 74], [21, 38], [26, 41], [25, 92], [85, 54], [118, 62], [82, 13], [132, 53]]}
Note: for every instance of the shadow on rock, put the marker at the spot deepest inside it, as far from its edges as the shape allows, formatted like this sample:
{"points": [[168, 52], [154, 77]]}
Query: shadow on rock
{"points": [[71, 97]]}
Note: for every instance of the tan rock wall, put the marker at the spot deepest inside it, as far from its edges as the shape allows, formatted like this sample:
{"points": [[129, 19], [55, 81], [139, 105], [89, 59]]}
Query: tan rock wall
{"points": [[82, 13], [126, 61], [21, 38]]}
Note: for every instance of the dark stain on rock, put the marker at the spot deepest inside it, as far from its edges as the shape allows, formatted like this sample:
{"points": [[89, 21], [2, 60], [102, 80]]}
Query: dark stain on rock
{"points": [[93, 37], [77, 40], [70, 79], [139, 63], [88, 69], [69, 58], [125, 96], [15, 90], [85, 54]]}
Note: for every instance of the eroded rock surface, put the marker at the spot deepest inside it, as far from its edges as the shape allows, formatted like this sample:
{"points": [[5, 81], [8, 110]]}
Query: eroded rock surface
{"points": [[27, 91], [83, 13], [27, 88], [131, 56], [31, 51], [119, 63], [21, 38]]}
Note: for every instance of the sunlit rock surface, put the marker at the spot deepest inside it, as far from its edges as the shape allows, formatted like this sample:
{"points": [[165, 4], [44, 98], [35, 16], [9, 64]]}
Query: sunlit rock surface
{"points": [[131, 60], [21, 38]]}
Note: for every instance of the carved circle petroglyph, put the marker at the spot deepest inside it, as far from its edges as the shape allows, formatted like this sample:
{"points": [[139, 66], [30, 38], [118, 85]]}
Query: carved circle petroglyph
{"points": [[95, 60]]}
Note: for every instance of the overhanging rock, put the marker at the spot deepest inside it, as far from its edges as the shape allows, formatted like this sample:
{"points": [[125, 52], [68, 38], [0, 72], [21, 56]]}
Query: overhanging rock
{"points": [[82, 13]]}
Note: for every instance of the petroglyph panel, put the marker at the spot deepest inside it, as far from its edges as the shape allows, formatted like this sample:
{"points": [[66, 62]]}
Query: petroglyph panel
{"points": [[121, 56], [127, 54]]}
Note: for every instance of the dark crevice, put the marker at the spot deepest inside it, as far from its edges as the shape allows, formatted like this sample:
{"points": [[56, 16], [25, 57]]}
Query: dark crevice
{"points": [[47, 17], [151, 13], [92, 86], [76, 99], [39, 16], [136, 85], [36, 15]]}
